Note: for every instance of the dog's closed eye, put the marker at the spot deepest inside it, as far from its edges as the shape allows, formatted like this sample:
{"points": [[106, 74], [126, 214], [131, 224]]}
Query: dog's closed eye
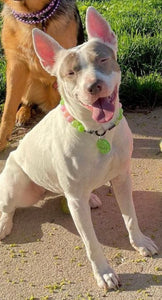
{"points": [[104, 59], [70, 66], [71, 73]]}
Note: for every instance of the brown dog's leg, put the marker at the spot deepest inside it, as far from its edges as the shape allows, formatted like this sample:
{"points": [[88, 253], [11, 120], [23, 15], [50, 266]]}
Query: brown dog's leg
{"points": [[23, 114], [52, 97], [45, 95], [17, 75]]}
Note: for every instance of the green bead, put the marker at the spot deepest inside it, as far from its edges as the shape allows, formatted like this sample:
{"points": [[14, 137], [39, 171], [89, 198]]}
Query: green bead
{"points": [[75, 123], [81, 128], [62, 101], [103, 146], [117, 122], [120, 114]]}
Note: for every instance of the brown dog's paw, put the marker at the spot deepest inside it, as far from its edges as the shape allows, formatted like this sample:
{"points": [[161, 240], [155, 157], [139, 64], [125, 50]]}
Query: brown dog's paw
{"points": [[23, 115], [4, 138], [3, 144]]}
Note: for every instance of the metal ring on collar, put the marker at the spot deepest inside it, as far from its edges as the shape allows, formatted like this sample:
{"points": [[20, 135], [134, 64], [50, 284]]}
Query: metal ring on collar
{"points": [[100, 134]]}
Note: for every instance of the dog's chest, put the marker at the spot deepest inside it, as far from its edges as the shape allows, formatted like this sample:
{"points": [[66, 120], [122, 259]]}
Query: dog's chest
{"points": [[107, 167], [66, 160], [87, 166], [103, 168]]}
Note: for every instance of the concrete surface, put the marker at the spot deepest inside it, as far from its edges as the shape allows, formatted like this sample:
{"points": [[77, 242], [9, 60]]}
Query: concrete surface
{"points": [[44, 258]]}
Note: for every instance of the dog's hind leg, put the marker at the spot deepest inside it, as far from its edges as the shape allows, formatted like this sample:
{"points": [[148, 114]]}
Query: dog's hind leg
{"points": [[94, 201], [6, 224], [123, 191], [16, 190]]}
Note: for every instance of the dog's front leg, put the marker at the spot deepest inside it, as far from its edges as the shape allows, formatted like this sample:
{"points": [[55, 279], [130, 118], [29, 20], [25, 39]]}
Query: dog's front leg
{"points": [[17, 75], [80, 211], [123, 191]]}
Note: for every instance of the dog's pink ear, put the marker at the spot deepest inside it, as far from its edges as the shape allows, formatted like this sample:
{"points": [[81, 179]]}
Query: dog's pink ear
{"points": [[97, 27], [46, 49]]}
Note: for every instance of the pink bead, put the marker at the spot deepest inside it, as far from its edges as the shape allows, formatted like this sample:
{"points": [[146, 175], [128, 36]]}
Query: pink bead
{"points": [[63, 108], [66, 114], [69, 119]]}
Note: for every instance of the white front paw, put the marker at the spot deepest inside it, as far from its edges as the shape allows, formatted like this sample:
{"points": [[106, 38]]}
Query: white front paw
{"points": [[107, 278], [94, 201], [144, 245]]}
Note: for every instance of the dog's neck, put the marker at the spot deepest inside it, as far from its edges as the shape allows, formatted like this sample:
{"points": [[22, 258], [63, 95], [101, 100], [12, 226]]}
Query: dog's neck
{"points": [[82, 116], [103, 145], [38, 17]]}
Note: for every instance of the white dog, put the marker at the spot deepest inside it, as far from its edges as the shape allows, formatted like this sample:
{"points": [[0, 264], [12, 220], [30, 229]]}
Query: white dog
{"points": [[79, 146]]}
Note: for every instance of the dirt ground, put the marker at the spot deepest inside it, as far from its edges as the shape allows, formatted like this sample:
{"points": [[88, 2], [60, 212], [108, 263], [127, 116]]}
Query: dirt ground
{"points": [[44, 257]]}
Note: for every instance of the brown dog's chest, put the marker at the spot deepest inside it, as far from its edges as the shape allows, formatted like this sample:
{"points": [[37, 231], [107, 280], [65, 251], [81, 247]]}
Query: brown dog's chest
{"points": [[17, 41], [17, 38]]}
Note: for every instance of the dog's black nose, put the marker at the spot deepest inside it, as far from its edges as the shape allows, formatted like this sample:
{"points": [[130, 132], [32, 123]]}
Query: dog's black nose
{"points": [[95, 87]]}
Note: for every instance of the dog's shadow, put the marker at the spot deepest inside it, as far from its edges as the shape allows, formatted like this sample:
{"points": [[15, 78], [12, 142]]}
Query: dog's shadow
{"points": [[28, 222], [140, 282], [107, 220]]}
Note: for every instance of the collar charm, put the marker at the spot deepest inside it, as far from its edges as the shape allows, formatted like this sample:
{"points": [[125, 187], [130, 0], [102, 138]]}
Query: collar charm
{"points": [[102, 144]]}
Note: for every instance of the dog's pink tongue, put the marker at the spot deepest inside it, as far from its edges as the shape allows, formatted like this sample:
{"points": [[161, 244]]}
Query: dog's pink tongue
{"points": [[102, 110]]}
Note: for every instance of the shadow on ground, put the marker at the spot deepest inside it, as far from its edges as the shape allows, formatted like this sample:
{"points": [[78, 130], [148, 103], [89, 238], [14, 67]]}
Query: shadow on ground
{"points": [[146, 148], [107, 220]]}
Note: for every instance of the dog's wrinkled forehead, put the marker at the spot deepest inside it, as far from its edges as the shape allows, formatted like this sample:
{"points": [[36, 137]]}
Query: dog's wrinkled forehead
{"points": [[95, 49], [87, 55]]}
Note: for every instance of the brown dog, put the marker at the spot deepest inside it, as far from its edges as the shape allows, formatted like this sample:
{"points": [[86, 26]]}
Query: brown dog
{"points": [[27, 82]]}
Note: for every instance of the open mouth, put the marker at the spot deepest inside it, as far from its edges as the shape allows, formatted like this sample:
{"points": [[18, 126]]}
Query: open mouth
{"points": [[103, 108]]}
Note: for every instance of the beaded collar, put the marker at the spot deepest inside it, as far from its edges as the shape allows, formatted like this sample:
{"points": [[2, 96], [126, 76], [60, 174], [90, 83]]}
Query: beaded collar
{"points": [[102, 144], [38, 17]]}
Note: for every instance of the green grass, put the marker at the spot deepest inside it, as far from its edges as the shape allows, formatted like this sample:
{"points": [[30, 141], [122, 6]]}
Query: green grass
{"points": [[141, 91], [137, 24]]}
